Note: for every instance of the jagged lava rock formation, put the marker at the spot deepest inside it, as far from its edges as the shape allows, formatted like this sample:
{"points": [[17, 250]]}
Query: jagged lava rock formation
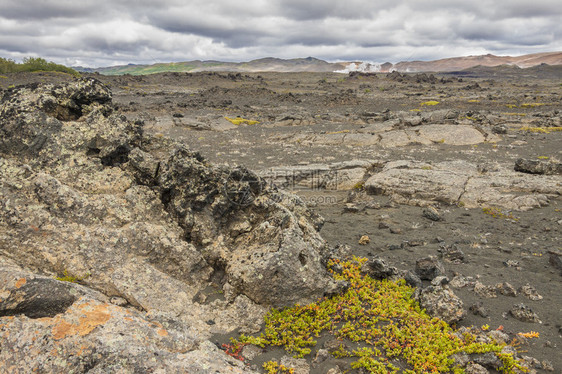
{"points": [[146, 230]]}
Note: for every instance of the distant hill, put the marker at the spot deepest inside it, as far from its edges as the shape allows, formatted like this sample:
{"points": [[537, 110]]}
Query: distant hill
{"points": [[461, 63], [311, 64]]}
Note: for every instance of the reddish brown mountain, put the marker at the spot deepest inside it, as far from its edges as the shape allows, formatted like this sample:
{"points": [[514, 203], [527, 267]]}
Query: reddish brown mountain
{"points": [[460, 63]]}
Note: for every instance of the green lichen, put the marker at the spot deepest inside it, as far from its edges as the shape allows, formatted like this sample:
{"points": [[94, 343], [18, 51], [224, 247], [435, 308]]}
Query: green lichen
{"points": [[380, 316]]}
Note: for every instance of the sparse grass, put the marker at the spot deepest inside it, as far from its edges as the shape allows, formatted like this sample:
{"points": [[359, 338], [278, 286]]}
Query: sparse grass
{"points": [[474, 101], [515, 114], [383, 319], [543, 157], [238, 121], [3, 77]]}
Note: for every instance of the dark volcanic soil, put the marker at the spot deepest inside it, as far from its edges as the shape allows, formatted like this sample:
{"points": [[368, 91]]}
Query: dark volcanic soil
{"points": [[307, 118]]}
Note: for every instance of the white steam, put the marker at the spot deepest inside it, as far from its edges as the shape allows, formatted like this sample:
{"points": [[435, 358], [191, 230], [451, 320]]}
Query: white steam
{"points": [[364, 67]]}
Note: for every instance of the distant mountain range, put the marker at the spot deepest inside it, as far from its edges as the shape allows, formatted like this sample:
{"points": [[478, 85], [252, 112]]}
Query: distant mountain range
{"points": [[311, 64]]}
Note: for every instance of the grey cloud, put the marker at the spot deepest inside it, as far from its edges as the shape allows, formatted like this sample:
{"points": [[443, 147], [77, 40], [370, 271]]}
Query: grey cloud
{"points": [[34, 10], [123, 31]]}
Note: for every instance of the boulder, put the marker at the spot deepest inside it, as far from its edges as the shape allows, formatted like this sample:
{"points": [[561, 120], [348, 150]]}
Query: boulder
{"points": [[428, 268], [441, 302], [538, 167]]}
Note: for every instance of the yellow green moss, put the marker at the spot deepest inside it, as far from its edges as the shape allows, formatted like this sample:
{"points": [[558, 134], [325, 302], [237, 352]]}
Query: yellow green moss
{"points": [[542, 130], [70, 278], [238, 121], [380, 316], [429, 103], [498, 213], [531, 105]]}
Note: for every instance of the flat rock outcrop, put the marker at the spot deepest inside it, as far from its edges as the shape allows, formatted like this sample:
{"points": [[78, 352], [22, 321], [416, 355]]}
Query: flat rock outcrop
{"points": [[461, 182]]}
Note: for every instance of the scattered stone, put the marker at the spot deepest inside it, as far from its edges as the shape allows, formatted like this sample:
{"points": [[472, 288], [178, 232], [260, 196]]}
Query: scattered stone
{"points": [[530, 292], [377, 268], [538, 167], [299, 365], [459, 281], [474, 368], [532, 362], [352, 208], [488, 360], [383, 225], [428, 268], [487, 292], [395, 230], [452, 254], [415, 243], [432, 214], [441, 302], [506, 289], [321, 356], [499, 336], [555, 259], [412, 279], [547, 365], [335, 370], [333, 345], [440, 281], [524, 314], [461, 359], [499, 129], [364, 240], [119, 301], [249, 352], [479, 310], [512, 264]]}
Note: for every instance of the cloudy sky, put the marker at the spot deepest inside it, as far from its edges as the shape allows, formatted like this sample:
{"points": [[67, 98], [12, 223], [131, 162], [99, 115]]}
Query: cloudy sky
{"points": [[110, 32]]}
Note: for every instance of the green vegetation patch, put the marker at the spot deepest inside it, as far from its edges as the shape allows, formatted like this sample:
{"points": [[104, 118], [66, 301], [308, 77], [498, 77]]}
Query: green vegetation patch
{"points": [[383, 319], [33, 64]]}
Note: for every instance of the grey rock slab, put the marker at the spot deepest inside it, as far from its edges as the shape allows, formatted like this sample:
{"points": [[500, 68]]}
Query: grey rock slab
{"points": [[462, 182]]}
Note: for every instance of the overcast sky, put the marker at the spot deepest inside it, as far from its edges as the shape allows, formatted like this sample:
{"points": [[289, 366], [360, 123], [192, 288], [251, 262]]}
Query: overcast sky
{"points": [[110, 32]]}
